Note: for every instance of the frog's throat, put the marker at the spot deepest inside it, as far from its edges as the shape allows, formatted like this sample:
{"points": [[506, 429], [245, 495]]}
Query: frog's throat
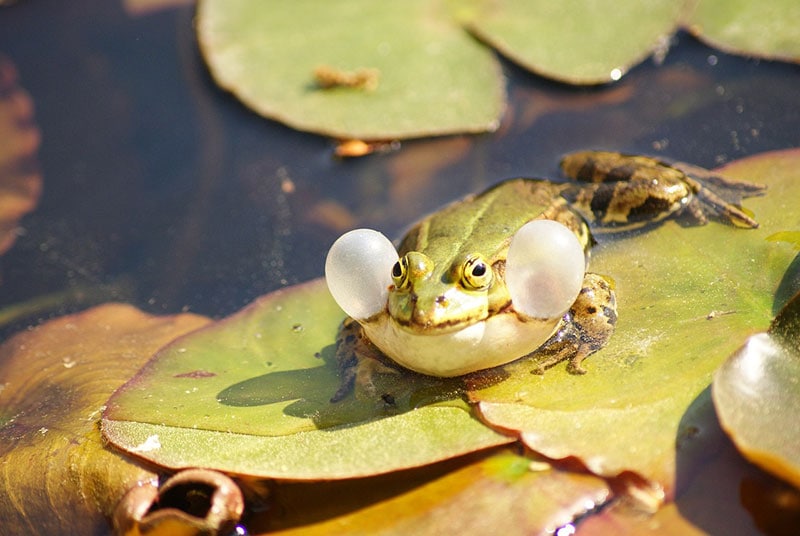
{"points": [[496, 341]]}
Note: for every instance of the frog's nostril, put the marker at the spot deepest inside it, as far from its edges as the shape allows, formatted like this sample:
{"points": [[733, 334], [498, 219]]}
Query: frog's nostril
{"points": [[441, 300]]}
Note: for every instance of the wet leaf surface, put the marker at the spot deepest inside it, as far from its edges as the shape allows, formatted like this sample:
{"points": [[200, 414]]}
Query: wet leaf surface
{"points": [[57, 474], [251, 395], [356, 69], [686, 299]]}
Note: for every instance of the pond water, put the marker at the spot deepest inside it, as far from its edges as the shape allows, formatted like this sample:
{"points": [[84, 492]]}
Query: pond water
{"points": [[164, 191]]}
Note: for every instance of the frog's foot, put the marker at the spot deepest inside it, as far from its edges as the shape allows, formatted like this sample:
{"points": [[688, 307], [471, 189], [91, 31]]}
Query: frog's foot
{"points": [[587, 327], [718, 197], [359, 362]]}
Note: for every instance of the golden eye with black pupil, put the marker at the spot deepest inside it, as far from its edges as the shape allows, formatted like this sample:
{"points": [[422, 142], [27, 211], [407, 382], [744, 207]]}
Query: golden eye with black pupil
{"points": [[476, 274], [399, 272]]}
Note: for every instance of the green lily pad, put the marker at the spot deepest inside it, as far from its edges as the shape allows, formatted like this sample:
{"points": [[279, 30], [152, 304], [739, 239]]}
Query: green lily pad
{"points": [[396, 69], [757, 393], [251, 395], [687, 298], [576, 41], [767, 29]]}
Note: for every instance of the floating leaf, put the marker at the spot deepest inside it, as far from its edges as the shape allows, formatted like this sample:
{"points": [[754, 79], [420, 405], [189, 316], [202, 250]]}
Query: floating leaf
{"points": [[767, 29], [251, 395], [757, 393], [354, 69], [576, 41], [58, 476], [686, 297]]}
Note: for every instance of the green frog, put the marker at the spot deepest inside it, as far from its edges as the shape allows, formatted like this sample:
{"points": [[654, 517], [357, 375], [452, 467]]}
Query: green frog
{"points": [[502, 275]]}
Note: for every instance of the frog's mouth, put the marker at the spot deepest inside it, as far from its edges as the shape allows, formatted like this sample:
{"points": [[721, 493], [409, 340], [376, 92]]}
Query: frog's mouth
{"points": [[440, 317], [454, 350]]}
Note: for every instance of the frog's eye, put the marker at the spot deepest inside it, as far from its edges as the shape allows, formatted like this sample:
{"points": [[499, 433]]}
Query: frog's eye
{"points": [[476, 274], [544, 269], [400, 272], [358, 271]]}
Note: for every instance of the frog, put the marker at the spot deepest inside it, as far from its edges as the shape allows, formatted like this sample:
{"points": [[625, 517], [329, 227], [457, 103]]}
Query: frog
{"points": [[502, 275]]}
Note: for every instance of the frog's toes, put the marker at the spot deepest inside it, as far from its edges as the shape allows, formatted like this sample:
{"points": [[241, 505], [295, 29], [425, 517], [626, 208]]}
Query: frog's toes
{"points": [[586, 328], [366, 373]]}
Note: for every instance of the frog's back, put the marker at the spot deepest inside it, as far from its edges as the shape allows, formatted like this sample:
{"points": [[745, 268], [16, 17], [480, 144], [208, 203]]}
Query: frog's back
{"points": [[483, 223]]}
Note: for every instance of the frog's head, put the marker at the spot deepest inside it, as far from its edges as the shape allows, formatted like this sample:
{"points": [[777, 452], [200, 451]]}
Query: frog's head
{"points": [[541, 277]]}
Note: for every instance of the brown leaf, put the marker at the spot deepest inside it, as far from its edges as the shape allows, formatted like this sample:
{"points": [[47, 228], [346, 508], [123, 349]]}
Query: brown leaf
{"points": [[56, 473]]}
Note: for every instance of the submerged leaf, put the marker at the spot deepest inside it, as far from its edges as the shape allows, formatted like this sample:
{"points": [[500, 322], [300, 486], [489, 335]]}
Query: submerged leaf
{"points": [[353, 69]]}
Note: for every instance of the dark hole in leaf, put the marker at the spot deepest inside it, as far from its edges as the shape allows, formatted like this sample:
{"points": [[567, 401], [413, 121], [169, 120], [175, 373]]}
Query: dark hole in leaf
{"points": [[192, 498]]}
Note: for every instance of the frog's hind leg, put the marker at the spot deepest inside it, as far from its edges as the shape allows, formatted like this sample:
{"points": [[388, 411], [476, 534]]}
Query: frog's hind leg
{"points": [[626, 192], [587, 327]]}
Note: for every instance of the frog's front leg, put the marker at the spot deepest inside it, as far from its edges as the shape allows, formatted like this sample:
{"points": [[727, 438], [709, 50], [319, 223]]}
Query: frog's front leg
{"points": [[629, 191], [585, 328], [358, 360]]}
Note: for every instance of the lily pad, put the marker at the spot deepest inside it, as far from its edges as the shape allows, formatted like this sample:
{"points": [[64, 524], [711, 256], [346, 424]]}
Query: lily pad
{"points": [[355, 69], [58, 476], [687, 297], [767, 29], [757, 393], [576, 41], [251, 395]]}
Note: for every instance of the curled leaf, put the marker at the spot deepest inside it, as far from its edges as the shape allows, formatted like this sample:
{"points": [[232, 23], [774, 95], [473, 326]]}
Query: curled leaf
{"points": [[757, 393], [193, 502]]}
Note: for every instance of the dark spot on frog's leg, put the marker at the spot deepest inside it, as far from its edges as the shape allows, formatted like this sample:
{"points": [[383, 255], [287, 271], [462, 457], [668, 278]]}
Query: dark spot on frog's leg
{"points": [[652, 208], [601, 200], [621, 172], [585, 172]]}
